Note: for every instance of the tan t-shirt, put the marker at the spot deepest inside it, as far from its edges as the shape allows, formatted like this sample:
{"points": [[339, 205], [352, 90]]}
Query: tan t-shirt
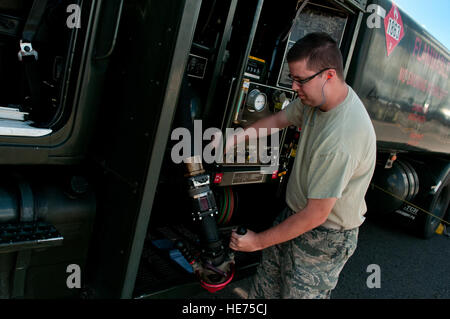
{"points": [[335, 158]]}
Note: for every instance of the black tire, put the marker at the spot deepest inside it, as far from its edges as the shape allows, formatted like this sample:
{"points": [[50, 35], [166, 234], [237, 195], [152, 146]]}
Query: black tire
{"points": [[439, 207]]}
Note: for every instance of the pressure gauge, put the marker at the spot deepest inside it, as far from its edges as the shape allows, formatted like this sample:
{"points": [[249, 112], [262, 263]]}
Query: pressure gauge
{"points": [[256, 101]]}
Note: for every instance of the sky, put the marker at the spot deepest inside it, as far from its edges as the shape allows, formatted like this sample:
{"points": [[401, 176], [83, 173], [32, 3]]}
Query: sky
{"points": [[432, 14]]}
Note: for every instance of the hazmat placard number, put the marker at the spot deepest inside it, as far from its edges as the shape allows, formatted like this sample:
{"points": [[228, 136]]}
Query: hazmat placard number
{"points": [[394, 29]]}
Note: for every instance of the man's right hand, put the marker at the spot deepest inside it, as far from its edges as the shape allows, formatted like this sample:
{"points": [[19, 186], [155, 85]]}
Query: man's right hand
{"points": [[275, 121]]}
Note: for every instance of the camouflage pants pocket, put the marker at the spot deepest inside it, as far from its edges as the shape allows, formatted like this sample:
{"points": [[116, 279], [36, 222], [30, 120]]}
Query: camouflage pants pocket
{"points": [[318, 259]]}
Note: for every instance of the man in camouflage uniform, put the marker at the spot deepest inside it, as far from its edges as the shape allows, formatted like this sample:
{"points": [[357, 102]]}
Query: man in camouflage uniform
{"points": [[312, 239]]}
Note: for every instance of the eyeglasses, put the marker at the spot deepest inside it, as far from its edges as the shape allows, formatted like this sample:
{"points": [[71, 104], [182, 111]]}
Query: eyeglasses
{"points": [[304, 81]]}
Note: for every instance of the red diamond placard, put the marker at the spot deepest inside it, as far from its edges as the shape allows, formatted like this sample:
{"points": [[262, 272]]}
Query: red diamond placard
{"points": [[393, 27]]}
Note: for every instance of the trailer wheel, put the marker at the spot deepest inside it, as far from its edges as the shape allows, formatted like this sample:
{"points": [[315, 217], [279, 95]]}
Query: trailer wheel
{"points": [[439, 207]]}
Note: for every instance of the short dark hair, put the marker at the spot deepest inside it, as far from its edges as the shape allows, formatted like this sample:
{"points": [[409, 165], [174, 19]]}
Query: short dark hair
{"points": [[320, 51]]}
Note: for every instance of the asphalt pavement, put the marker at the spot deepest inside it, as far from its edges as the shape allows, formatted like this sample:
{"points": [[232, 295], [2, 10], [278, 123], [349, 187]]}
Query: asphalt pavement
{"points": [[408, 266]]}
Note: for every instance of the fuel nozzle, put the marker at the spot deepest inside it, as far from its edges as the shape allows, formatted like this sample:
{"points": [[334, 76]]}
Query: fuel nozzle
{"points": [[215, 267], [241, 230]]}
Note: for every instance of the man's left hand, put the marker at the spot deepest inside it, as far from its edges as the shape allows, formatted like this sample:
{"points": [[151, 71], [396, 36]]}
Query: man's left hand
{"points": [[248, 242]]}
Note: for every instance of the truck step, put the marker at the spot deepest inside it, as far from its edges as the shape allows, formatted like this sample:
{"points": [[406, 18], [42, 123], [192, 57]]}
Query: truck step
{"points": [[28, 235]]}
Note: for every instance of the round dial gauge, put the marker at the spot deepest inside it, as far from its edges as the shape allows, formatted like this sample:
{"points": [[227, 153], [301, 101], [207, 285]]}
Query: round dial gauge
{"points": [[257, 100], [260, 102]]}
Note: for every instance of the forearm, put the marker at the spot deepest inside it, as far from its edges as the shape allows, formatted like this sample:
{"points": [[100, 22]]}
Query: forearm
{"points": [[266, 126], [314, 214], [291, 228]]}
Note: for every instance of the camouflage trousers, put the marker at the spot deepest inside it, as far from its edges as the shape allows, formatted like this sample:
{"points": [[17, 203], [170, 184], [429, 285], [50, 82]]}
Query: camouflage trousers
{"points": [[306, 267]]}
